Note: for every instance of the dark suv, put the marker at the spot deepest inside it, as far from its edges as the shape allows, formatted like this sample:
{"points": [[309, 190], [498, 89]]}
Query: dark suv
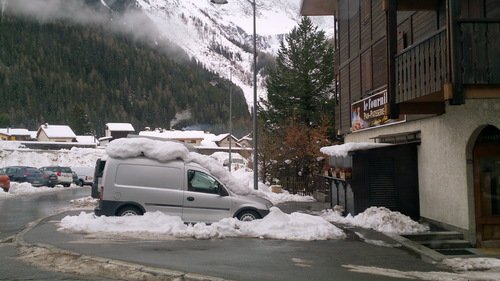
{"points": [[27, 174]]}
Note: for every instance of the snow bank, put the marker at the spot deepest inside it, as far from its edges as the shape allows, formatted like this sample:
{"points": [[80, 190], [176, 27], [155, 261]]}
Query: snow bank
{"points": [[378, 218], [468, 264], [26, 188], [157, 225]]}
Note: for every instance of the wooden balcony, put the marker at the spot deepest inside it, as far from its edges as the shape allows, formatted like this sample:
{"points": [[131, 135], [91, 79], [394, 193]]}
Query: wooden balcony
{"points": [[421, 73], [479, 51]]}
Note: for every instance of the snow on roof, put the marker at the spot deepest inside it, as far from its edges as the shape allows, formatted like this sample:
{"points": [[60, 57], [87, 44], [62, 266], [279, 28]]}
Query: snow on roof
{"points": [[168, 150], [122, 127], [58, 131], [14, 132], [343, 149], [86, 139], [176, 134]]}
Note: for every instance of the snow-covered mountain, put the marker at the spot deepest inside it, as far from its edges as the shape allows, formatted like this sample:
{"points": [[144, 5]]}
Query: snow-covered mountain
{"points": [[200, 27], [218, 36]]}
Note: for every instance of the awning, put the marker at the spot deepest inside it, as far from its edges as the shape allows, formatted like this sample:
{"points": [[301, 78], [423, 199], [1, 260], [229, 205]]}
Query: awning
{"points": [[342, 150], [318, 7]]}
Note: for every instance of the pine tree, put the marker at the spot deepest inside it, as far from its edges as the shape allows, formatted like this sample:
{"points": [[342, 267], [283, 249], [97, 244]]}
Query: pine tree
{"points": [[298, 114], [301, 84]]}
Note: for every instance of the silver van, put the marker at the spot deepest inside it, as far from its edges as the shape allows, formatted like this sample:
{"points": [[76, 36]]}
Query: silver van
{"points": [[133, 186]]}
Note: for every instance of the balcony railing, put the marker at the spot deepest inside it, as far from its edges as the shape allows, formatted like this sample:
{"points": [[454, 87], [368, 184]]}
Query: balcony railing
{"points": [[479, 51], [421, 69]]}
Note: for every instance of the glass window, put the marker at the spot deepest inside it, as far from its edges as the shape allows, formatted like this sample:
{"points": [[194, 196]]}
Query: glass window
{"points": [[201, 182]]}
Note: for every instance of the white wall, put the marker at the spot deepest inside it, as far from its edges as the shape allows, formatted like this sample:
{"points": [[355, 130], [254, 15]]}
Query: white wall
{"points": [[445, 183]]}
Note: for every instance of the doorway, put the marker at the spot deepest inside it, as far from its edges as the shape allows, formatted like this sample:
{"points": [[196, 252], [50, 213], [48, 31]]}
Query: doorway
{"points": [[486, 155]]}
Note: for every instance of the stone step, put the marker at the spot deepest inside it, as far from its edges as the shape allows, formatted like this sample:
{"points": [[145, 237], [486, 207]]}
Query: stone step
{"points": [[435, 235], [446, 244]]}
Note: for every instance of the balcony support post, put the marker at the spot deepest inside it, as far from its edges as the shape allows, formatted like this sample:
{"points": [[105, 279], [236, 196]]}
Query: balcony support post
{"points": [[391, 37], [453, 9]]}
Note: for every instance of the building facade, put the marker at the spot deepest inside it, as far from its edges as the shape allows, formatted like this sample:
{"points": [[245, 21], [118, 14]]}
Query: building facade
{"points": [[424, 74]]}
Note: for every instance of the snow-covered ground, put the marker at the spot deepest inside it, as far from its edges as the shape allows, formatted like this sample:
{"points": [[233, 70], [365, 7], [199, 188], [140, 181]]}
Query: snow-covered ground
{"points": [[277, 225]]}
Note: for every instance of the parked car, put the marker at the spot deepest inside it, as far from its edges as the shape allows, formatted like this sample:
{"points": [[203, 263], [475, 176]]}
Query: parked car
{"points": [[50, 179], [26, 174], [133, 186], [64, 174], [4, 181], [85, 175]]}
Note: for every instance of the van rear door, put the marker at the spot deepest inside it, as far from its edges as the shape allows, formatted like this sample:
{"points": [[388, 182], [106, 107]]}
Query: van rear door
{"points": [[203, 201]]}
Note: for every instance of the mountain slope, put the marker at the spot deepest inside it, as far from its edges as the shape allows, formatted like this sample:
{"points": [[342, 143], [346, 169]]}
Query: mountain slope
{"points": [[48, 71]]}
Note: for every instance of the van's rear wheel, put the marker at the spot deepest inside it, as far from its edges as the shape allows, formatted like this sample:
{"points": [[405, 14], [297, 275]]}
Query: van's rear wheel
{"points": [[248, 215], [129, 211]]}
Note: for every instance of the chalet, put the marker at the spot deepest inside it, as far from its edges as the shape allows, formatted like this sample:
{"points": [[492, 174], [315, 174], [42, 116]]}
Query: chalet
{"points": [[194, 138], [55, 133], [423, 76], [246, 141], [12, 134], [118, 130], [224, 140]]}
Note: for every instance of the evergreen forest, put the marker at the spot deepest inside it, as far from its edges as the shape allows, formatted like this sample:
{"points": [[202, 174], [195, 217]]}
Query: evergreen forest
{"points": [[62, 73]]}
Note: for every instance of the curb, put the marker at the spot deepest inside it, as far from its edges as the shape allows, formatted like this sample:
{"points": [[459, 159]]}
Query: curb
{"points": [[49, 257]]}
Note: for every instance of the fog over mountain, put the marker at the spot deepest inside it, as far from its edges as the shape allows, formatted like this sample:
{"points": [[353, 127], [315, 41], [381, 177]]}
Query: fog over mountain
{"points": [[218, 36]]}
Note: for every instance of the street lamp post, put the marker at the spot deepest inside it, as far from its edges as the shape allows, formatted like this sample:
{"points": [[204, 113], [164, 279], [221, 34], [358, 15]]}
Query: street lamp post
{"points": [[254, 108]]}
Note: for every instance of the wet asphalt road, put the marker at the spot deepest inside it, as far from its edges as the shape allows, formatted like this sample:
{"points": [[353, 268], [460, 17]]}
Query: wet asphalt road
{"points": [[15, 214], [244, 259], [236, 259]]}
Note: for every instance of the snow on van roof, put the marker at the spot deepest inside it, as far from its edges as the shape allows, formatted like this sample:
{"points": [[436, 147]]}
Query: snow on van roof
{"points": [[168, 150]]}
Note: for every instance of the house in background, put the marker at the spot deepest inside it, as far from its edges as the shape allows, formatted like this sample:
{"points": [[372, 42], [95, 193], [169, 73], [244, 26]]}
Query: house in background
{"points": [[223, 140], [423, 76], [55, 133], [13, 134], [118, 130], [194, 138], [87, 140], [246, 141]]}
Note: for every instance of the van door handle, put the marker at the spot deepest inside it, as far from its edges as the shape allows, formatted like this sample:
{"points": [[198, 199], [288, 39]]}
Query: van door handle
{"points": [[190, 198]]}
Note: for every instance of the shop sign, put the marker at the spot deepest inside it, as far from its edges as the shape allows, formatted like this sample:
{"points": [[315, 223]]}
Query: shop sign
{"points": [[372, 111]]}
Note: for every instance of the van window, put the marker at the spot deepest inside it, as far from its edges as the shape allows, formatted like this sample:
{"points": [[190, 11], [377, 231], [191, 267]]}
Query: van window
{"points": [[201, 182], [148, 176]]}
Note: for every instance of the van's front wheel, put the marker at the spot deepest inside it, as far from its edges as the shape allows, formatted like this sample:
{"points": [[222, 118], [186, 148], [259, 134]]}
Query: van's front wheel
{"points": [[129, 211], [248, 215]]}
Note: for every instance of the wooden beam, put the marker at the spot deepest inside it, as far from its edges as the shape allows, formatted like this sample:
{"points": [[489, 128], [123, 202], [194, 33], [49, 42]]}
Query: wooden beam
{"points": [[422, 108], [318, 7], [422, 5], [492, 92], [391, 17]]}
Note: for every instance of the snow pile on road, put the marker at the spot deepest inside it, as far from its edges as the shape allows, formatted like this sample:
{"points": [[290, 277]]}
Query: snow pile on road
{"points": [[26, 188], [85, 202], [470, 264], [157, 225], [378, 218]]}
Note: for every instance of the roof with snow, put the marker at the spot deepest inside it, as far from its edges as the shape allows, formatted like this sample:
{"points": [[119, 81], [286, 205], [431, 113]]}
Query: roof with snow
{"points": [[87, 139], [176, 134], [121, 127], [14, 132], [343, 150], [57, 131]]}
